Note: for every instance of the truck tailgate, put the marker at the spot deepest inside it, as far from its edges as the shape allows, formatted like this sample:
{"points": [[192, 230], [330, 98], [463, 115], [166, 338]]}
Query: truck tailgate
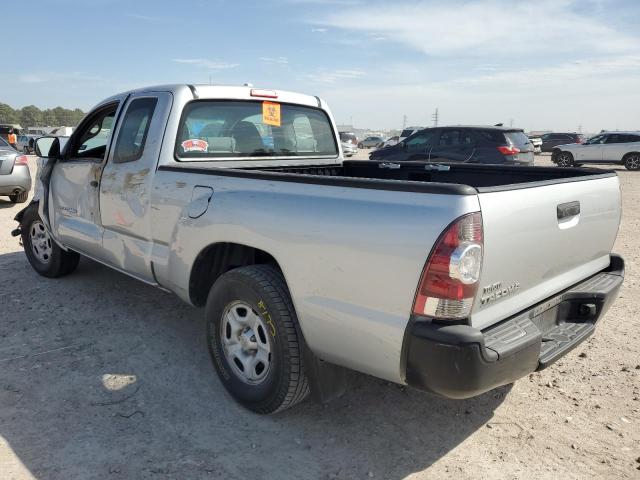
{"points": [[541, 240]]}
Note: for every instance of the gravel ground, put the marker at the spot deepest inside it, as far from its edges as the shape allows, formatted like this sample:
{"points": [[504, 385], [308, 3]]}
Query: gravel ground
{"points": [[104, 377]]}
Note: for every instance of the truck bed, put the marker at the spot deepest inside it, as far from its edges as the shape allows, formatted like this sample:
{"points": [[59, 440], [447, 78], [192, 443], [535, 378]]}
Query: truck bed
{"points": [[453, 179]]}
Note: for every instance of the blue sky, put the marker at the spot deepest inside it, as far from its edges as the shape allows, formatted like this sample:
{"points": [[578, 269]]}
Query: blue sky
{"points": [[549, 64]]}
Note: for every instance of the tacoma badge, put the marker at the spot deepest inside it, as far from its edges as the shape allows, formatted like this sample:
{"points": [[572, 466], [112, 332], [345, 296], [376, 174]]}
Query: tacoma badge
{"points": [[497, 291]]}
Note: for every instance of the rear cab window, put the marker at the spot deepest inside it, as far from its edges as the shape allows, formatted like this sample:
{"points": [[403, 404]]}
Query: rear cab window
{"points": [[223, 129]]}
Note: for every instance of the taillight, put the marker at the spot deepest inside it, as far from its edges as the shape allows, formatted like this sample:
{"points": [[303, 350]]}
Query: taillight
{"points": [[450, 277], [508, 150], [21, 160]]}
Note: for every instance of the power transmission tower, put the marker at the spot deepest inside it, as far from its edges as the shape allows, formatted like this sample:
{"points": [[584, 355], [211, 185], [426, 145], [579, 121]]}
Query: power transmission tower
{"points": [[434, 117]]}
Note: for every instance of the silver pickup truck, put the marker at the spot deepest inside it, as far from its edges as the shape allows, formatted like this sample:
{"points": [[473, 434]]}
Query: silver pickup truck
{"points": [[449, 278]]}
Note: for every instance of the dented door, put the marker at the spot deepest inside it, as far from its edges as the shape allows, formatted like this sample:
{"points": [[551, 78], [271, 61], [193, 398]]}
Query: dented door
{"points": [[126, 184], [74, 210]]}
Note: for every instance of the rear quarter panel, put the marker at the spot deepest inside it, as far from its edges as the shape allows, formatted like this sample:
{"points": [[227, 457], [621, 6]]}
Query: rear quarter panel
{"points": [[352, 257]]}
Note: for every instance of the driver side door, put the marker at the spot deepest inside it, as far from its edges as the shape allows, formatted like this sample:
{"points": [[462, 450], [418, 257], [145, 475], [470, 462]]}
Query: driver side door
{"points": [[592, 150], [74, 190]]}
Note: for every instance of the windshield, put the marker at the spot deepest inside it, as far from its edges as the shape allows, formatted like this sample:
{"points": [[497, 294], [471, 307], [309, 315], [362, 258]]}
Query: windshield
{"points": [[217, 128], [3, 143]]}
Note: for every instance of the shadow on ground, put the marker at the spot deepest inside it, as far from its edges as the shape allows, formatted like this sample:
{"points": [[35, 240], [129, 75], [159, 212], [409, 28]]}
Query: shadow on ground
{"points": [[102, 376]]}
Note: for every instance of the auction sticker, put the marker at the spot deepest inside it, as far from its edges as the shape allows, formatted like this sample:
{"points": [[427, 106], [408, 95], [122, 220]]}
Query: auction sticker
{"points": [[271, 113], [194, 145]]}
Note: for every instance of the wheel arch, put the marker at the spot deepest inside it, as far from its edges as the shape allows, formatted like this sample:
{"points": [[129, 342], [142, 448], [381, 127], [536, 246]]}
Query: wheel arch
{"points": [[218, 258], [628, 154]]}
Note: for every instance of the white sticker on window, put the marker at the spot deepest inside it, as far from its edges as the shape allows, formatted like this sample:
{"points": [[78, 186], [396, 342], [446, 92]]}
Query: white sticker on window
{"points": [[195, 145]]}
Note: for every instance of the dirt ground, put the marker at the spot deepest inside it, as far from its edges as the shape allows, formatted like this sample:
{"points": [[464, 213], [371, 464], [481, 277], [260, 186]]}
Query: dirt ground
{"points": [[104, 377]]}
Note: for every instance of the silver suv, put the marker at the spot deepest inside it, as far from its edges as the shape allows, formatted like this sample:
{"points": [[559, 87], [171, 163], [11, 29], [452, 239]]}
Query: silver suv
{"points": [[622, 148]]}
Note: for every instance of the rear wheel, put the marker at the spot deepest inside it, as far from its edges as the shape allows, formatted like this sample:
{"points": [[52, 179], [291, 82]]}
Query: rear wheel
{"points": [[632, 161], [360, 145], [564, 159], [44, 255], [19, 198], [254, 339]]}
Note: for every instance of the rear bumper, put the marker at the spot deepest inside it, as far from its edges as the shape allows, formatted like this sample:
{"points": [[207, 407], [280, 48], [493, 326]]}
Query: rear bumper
{"points": [[459, 361], [19, 180]]}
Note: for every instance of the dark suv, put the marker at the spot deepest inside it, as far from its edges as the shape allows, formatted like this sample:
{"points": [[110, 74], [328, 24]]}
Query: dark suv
{"points": [[497, 145], [551, 140]]}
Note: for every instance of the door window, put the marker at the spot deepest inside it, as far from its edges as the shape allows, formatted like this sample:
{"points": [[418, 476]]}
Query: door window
{"points": [[615, 138], [597, 140], [92, 137], [420, 142], [450, 138], [133, 132]]}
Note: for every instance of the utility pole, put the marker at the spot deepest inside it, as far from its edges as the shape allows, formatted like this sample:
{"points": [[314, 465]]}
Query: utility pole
{"points": [[434, 117], [404, 122], [511, 122]]}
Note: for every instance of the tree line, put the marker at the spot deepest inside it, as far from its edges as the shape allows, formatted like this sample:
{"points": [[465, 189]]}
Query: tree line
{"points": [[32, 116]]}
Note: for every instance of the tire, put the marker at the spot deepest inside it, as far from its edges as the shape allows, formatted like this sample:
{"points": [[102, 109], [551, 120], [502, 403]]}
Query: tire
{"points": [[360, 145], [46, 257], [632, 161], [19, 198], [564, 159], [249, 312]]}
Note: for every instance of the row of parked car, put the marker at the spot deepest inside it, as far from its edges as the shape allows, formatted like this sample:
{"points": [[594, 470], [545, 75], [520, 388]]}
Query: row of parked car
{"points": [[499, 145]]}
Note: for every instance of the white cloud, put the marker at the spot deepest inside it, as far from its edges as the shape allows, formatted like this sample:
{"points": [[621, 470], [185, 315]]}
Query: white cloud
{"points": [[324, 75], [275, 60], [319, 30], [487, 28], [144, 18], [50, 77], [208, 64]]}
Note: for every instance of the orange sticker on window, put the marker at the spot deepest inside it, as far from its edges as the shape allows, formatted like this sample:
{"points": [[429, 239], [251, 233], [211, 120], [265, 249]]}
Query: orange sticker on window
{"points": [[271, 113]]}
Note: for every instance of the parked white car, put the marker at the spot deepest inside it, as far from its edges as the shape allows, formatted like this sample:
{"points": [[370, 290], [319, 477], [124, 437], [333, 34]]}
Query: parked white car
{"points": [[537, 144], [621, 148]]}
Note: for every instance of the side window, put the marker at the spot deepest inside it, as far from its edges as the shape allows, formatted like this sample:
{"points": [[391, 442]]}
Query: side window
{"points": [[467, 138], [450, 138], [92, 137], [420, 142], [133, 132], [615, 139]]}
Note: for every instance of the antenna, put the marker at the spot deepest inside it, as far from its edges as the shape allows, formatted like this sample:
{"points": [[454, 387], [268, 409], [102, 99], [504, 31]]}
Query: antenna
{"points": [[434, 117]]}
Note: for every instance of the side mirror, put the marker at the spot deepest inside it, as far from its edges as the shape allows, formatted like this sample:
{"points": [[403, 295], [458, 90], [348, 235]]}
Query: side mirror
{"points": [[47, 147]]}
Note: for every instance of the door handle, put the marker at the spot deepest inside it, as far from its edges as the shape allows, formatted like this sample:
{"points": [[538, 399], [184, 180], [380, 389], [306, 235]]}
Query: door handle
{"points": [[94, 183]]}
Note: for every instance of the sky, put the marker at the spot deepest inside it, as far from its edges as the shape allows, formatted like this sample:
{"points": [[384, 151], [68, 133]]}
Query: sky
{"points": [[543, 65]]}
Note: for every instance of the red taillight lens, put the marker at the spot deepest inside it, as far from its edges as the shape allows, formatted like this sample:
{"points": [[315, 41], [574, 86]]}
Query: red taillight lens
{"points": [[450, 278], [21, 160], [508, 150]]}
